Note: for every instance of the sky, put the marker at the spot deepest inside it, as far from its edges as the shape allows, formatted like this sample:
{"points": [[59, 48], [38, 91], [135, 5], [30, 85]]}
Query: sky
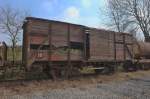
{"points": [[84, 12]]}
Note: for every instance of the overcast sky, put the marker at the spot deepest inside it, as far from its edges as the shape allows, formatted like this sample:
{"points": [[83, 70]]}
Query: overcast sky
{"points": [[84, 12]]}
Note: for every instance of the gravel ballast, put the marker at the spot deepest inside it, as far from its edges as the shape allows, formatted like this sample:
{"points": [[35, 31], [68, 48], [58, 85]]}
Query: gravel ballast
{"points": [[135, 88]]}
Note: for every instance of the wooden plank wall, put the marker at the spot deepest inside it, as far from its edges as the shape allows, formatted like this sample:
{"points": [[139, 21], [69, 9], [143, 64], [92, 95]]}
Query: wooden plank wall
{"points": [[38, 33], [59, 35], [76, 35], [101, 45]]}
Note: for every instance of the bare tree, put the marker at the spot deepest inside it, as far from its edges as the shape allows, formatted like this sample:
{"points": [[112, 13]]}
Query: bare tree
{"points": [[115, 15], [131, 15], [11, 21]]}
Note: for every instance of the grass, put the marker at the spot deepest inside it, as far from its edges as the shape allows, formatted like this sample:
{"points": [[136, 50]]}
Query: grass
{"points": [[18, 54], [81, 83]]}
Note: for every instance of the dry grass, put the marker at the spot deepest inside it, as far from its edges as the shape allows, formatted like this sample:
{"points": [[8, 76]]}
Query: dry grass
{"points": [[24, 87]]}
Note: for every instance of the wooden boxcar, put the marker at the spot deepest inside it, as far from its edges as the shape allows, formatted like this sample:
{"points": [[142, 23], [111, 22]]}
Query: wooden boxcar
{"points": [[51, 42], [61, 45]]}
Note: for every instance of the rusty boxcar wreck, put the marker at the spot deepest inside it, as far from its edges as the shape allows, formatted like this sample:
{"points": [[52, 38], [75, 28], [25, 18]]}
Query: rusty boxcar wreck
{"points": [[60, 48]]}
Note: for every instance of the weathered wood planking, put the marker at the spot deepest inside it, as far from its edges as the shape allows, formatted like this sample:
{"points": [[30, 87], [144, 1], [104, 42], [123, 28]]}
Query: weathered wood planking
{"points": [[38, 35], [101, 45], [67, 42]]}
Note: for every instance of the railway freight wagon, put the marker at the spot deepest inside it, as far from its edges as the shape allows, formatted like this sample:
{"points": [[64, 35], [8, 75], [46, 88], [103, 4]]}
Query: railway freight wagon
{"points": [[59, 47], [52, 45]]}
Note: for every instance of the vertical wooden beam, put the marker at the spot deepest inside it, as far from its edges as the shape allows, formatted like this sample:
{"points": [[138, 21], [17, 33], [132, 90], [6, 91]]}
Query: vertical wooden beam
{"points": [[6, 53], [132, 46], [50, 43], [69, 67], [124, 47], [26, 43], [86, 44], [23, 45], [50, 65], [84, 60], [84, 49], [115, 56]]}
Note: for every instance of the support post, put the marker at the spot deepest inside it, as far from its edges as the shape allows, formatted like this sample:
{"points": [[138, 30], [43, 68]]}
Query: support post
{"points": [[114, 46], [50, 66], [69, 66], [124, 47], [115, 56]]}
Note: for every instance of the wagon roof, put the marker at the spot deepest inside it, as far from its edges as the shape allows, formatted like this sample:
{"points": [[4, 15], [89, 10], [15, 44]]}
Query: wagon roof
{"points": [[47, 20]]}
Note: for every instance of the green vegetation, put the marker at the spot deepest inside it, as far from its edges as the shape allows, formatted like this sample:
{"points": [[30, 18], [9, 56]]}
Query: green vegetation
{"points": [[18, 53]]}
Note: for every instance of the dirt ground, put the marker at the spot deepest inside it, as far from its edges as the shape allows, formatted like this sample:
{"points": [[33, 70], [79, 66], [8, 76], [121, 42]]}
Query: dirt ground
{"points": [[28, 87]]}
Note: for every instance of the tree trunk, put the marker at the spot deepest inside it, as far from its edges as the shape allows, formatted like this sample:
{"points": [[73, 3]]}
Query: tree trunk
{"points": [[13, 52]]}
